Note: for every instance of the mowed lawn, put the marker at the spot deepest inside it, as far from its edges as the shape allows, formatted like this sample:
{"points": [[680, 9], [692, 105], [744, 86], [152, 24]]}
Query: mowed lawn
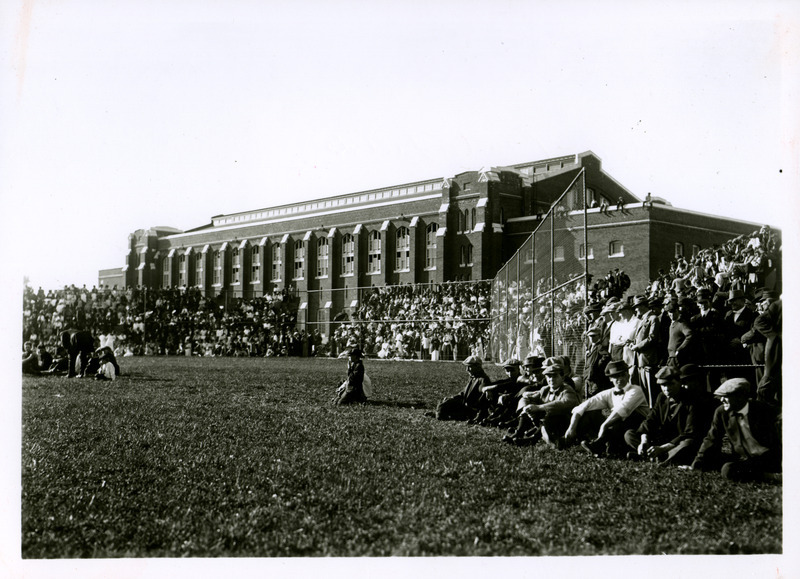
{"points": [[235, 457]]}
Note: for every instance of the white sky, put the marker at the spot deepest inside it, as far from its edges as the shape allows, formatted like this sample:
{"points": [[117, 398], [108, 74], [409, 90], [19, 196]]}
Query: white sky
{"points": [[124, 115]]}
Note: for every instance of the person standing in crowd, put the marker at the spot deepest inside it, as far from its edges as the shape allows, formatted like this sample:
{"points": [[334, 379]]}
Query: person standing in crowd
{"points": [[352, 390], [467, 403], [621, 331], [674, 428], [708, 329], [597, 358], [680, 345], [645, 347], [601, 421], [738, 321], [77, 343], [753, 429], [545, 410], [770, 325]]}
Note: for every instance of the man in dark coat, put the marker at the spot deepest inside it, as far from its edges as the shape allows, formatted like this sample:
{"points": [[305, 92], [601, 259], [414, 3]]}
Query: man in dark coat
{"points": [[681, 347], [769, 324], [753, 429], [77, 343], [738, 321], [674, 428], [467, 403]]}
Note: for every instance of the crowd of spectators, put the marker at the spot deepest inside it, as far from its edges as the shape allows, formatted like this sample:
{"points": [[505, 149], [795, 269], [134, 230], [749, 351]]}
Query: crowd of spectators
{"points": [[135, 322], [448, 321]]}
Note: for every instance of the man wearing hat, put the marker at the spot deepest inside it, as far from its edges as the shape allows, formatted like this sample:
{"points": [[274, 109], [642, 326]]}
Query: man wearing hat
{"points": [[645, 347], [548, 407], [770, 325], [597, 358], [605, 417], [467, 403], [753, 429], [737, 322], [710, 333], [499, 398], [674, 427], [681, 347], [353, 390]]}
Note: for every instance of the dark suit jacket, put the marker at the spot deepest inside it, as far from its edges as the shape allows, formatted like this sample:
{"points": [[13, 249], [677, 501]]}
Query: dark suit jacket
{"points": [[765, 424], [735, 329], [689, 420]]}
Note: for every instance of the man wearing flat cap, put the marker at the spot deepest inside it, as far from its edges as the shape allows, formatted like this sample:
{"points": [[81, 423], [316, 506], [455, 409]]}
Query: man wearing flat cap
{"points": [[548, 407], [674, 428], [602, 420], [753, 429], [645, 346], [681, 346], [466, 404], [498, 405]]}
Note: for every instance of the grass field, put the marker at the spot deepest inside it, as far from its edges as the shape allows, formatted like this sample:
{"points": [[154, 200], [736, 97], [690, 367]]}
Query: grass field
{"points": [[240, 457]]}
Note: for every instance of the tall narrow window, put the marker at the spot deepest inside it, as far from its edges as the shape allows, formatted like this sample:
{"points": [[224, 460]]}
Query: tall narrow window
{"points": [[255, 264], [217, 268], [430, 245], [322, 257], [165, 272], [199, 271], [468, 215], [235, 265], [181, 270], [678, 249], [582, 252], [277, 262], [348, 254], [374, 253], [403, 261], [299, 259], [463, 261], [695, 250], [469, 255]]}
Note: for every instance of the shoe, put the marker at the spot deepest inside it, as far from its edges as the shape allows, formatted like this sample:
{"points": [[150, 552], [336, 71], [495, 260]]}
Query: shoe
{"points": [[529, 439], [595, 447], [634, 456]]}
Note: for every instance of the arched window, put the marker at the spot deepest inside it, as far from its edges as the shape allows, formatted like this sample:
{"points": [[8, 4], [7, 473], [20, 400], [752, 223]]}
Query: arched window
{"points": [[374, 252], [474, 214], [403, 261], [469, 255], [235, 265], [299, 259], [348, 254], [468, 218], [277, 262], [463, 261], [430, 245], [165, 272], [322, 257]]}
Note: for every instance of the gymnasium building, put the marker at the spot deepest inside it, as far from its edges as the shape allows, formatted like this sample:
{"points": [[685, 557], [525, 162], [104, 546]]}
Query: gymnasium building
{"points": [[457, 228]]}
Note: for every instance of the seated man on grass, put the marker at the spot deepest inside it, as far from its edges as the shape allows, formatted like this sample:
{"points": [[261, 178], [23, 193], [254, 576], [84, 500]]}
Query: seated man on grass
{"points": [[753, 429], [467, 403], [499, 405], [601, 421], [674, 427], [548, 407]]}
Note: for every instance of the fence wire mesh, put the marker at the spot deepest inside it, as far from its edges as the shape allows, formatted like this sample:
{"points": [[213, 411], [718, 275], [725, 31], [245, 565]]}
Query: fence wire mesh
{"points": [[539, 294]]}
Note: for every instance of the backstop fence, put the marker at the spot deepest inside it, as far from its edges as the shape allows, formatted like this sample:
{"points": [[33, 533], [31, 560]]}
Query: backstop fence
{"points": [[538, 296]]}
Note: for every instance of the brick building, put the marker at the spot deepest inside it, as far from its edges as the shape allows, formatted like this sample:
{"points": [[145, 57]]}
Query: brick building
{"points": [[462, 227]]}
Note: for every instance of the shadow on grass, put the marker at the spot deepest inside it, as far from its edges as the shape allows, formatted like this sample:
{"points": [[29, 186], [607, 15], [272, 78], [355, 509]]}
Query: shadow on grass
{"points": [[420, 404]]}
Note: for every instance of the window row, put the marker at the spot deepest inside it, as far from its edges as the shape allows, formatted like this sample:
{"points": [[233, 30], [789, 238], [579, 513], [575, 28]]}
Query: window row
{"points": [[374, 258], [679, 250]]}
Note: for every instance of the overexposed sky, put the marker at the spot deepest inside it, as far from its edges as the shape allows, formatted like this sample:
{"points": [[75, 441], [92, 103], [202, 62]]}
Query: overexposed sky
{"points": [[124, 115]]}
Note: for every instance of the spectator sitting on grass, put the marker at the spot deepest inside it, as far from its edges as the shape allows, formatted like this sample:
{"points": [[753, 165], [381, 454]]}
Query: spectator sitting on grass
{"points": [[601, 421], [352, 390], [30, 362], [753, 429], [467, 403], [674, 427], [107, 369], [500, 401], [548, 407]]}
